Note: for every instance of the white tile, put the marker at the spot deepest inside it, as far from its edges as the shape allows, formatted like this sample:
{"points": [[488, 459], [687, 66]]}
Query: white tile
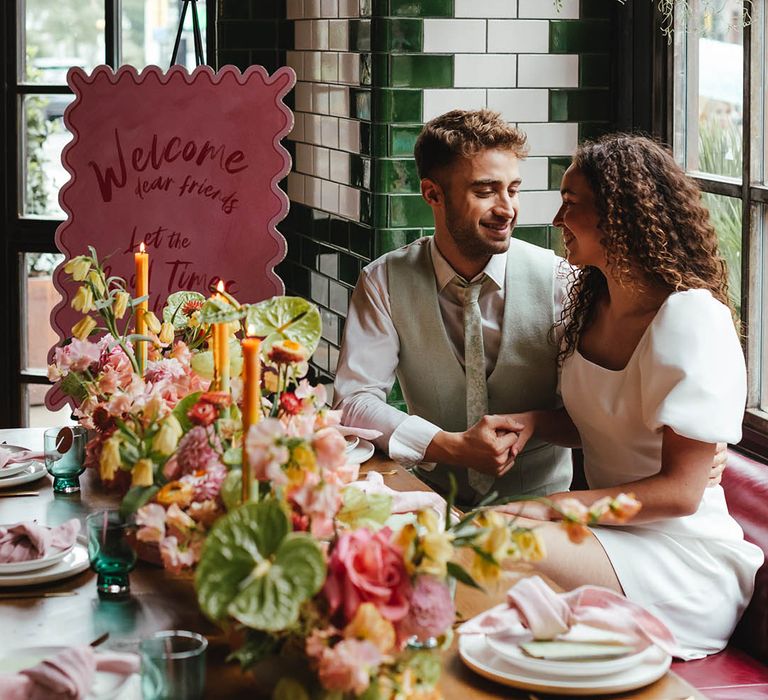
{"points": [[320, 34], [349, 8], [304, 159], [437, 102], [537, 70], [321, 161], [487, 8], [488, 70], [546, 9], [329, 129], [340, 167], [518, 36], [551, 139], [538, 208], [329, 8], [295, 60], [329, 66], [349, 68], [311, 8], [329, 196], [302, 34], [294, 9], [321, 98], [312, 65], [454, 36], [303, 97], [535, 172], [338, 35], [339, 100], [520, 105], [312, 132], [349, 202], [312, 195], [349, 135], [296, 187], [297, 133]]}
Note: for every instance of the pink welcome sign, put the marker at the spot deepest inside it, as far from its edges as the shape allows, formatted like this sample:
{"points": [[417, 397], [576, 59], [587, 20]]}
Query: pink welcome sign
{"points": [[187, 163]]}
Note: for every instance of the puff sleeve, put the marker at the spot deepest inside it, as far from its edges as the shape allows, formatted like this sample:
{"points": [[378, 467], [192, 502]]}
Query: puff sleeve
{"points": [[692, 370]]}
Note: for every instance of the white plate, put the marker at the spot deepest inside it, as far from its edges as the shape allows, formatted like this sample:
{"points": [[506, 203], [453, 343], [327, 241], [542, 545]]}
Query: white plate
{"points": [[32, 472], [19, 567], [510, 650], [74, 562], [362, 453], [105, 685], [475, 653], [12, 469]]}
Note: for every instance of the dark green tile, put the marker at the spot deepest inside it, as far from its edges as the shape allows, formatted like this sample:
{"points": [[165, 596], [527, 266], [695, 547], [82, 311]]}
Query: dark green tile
{"points": [[397, 35], [241, 59], [360, 172], [234, 9], [538, 235], [409, 210], [557, 168], [388, 239], [396, 176], [367, 142], [402, 139], [309, 251], [349, 268], [589, 131], [579, 105], [366, 8], [421, 71], [360, 103], [267, 8], [320, 224], [421, 8], [578, 36], [359, 35], [594, 69], [252, 34], [361, 240], [394, 106], [379, 210], [380, 69], [339, 230], [366, 69], [379, 139], [597, 9], [298, 219]]}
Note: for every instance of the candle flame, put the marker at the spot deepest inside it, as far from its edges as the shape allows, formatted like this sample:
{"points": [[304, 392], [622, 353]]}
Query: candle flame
{"points": [[220, 286], [141, 247], [251, 331]]}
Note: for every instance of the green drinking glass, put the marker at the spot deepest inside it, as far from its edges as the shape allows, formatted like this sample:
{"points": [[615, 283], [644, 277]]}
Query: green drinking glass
{"points": [[65, 456], [173, 665], [111, 554]]}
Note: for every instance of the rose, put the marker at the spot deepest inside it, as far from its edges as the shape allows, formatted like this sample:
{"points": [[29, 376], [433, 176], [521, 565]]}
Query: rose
{"points": [[290, 403], [203, 413], [431, 610], [330, 448], [347, 666], [367, 568]]}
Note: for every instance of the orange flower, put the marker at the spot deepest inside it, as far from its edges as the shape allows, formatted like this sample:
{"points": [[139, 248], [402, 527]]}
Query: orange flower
{"points": [[177, 492], [286, 352], [576, 531]]}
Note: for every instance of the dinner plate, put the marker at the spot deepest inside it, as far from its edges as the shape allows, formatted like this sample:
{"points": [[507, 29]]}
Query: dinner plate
{"points": [[362, 452], [19, 567], [32, 472], [475, 653], [352, 442], [509, 649], [12, 469], [106, 686], [74, 562]]}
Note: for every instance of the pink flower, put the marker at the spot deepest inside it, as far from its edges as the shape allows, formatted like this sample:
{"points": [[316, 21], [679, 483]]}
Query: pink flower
{"points": [[109, 380], [178, 522], [151, 518], [432, 611], [367, 568], [119, 404], [176, 558], [330, 448], [198, 449], [205, 512], [78, 356], [207, 484], [318, 641], [347, 666], [320, 501], [181, 352], [265, 452]]}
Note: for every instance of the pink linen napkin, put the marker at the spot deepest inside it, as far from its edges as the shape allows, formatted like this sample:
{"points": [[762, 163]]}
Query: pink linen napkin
{"points": [[66, 676], [28, 540], [362, 433], [7, 457], [402, 501], [533, 609]]}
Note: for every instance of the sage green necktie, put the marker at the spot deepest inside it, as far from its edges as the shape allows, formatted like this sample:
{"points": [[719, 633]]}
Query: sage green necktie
{"points": [[474, 369]]}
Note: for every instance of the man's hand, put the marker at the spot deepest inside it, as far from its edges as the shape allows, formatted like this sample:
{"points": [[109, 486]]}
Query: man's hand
{"points": [[718, 464], [486, 446]]}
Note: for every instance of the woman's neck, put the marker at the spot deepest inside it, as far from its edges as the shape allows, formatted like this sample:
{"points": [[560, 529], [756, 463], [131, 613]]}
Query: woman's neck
{"points": [[633, 297]]}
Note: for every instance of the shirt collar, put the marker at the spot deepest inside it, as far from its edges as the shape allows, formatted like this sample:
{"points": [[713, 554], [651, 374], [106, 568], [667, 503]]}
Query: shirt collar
{"points": [[495, 270]]}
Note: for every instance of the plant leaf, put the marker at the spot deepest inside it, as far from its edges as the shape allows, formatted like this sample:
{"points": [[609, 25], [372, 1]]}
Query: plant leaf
{"points": [[181, 409], [72, 386], [460, 574], [281, 318], [136, 498], [216, 310]]}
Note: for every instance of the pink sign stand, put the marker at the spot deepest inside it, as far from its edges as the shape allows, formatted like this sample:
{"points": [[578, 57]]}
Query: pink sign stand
{"points": [[188, 163]]}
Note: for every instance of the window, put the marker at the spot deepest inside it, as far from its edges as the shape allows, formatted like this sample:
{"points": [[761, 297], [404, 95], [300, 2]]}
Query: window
{"points": [[42, 39], [719, 136]]}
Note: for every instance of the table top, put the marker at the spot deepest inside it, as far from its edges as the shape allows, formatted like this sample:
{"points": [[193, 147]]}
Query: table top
{"points": [[163, 601]]}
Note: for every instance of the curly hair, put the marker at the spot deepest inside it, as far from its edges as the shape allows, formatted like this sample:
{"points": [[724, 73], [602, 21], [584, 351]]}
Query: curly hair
{"points": [[463, 133], [656, 228]]}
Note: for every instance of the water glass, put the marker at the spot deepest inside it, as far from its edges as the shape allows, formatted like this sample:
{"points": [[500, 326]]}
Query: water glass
{"points": [[110, 551], [173, 666], [65, 456]]}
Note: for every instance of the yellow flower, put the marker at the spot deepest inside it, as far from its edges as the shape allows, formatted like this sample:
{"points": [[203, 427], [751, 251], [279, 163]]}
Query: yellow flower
{"points": [[96, 281], [406, 541], [304, 457], [109, 459], [153, 323], [78, 267], [438, 551], [142, 473], [166, 333], [428, 519], [82, 329], [120, 304], [167, 438], [83, 300], [369, 625], [529, 544]]}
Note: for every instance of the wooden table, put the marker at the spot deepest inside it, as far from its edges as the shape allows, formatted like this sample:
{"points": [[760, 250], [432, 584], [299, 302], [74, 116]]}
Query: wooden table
{"points": [[162, 601]]}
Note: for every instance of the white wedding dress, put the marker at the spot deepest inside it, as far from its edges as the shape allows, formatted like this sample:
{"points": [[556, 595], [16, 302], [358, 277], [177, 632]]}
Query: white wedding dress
{"points": [[696, 573]]}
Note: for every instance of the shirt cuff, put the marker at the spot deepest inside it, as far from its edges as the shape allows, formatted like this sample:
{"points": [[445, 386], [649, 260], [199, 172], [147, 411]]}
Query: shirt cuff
{"points": [[410, 440]]}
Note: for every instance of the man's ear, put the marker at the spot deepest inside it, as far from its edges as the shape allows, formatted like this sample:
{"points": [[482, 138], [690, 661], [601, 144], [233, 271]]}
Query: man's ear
{"points": [[432, 192]]}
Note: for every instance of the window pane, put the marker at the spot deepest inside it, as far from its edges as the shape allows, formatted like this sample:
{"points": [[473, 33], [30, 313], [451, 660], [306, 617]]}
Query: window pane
{"points": [[725, 213], [41, 297], [59, 34], [149, 32], [34, 413], [43, 139]]}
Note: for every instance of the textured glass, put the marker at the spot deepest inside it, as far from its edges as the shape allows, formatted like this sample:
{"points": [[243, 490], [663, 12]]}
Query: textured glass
{"points": [[725, 214]]}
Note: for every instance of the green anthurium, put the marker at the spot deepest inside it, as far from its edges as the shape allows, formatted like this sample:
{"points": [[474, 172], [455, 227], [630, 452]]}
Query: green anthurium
{"points": [[254, 569], [174, 307], [281, 318], [217, 310]]}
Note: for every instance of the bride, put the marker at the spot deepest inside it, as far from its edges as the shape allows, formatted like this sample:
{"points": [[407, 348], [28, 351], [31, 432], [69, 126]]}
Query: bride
{"points": [[652, 377]]}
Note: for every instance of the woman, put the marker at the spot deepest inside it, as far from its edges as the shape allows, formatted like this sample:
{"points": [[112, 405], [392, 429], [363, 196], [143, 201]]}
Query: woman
{"points": [[652, 377]]}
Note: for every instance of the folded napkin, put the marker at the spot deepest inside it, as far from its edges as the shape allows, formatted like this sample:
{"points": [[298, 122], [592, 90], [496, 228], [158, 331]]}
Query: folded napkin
{"points": [[7, 457], [402, 501], [534, 610], [362, 433], [66, 676], [28, 540]]}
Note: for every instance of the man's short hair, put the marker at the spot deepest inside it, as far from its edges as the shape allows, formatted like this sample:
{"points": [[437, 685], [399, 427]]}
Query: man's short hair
{"points": [[463, 133]]}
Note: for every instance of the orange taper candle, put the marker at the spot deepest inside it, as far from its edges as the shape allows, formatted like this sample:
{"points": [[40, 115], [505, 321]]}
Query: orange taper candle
{"points": [[251, 399], [141, 260], [221, 354]]}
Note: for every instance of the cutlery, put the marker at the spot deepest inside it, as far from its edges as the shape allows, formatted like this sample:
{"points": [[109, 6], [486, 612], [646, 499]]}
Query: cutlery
{"points": [[391, 472], [99, 640], [35, 594], [19, 493]]}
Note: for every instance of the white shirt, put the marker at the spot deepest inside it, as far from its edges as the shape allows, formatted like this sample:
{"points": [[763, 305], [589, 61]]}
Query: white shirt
{"points": [[371, 348]]}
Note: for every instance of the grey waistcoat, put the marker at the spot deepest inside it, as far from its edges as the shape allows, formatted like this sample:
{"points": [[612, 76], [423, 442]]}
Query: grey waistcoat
{"points": [[525, 376]]}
